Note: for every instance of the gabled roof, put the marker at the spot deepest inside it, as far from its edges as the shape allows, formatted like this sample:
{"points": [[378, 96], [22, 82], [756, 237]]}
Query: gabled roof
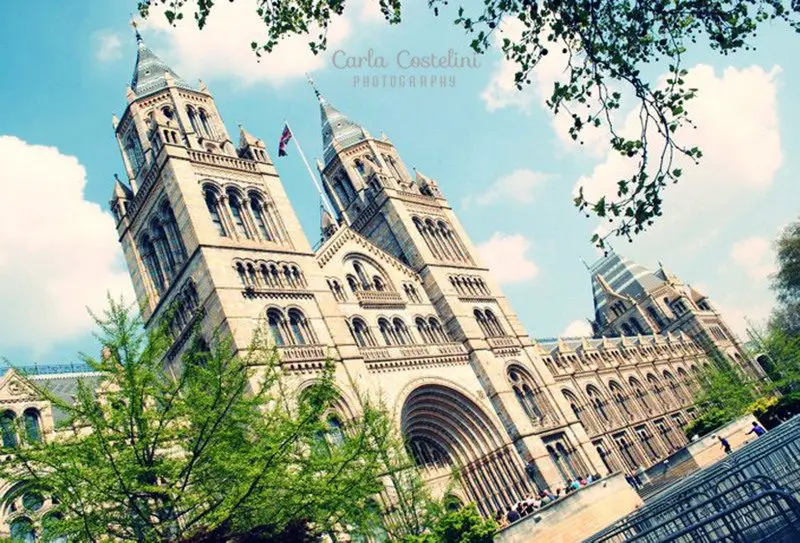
{"points": [[150, 72], [346, 240]]}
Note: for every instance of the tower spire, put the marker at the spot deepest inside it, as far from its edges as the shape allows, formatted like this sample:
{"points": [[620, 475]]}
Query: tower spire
{"points": [[314, 87], [136, 33]]}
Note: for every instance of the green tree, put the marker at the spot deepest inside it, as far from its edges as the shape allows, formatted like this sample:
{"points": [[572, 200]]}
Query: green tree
{"points": [[786, 282], [219, 452], [726, 394], [613, 51]]}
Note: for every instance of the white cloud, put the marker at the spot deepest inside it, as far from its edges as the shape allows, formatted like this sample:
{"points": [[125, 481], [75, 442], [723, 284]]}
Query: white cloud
{"points": [[578, 328], [58, 252], [109, 46], [736, 113], [739, 317], [502, 92], [505, 254], [518, 186], [222, 49], [754, 255]]}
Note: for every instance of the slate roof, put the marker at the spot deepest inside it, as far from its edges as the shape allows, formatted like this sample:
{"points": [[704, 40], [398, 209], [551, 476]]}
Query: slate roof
{"points": [[625, 277], [337, 128], [148, 74]]}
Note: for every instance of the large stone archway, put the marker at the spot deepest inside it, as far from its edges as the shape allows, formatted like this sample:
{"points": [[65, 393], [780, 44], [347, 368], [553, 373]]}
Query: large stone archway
{"points": [[444, 426]]}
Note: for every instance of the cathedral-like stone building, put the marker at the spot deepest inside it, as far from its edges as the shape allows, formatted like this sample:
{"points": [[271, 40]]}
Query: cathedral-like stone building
{"points": [[398, 297]]}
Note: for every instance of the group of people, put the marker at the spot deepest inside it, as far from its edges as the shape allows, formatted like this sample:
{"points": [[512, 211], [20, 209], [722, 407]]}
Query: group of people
{"points": [[536, 501]]}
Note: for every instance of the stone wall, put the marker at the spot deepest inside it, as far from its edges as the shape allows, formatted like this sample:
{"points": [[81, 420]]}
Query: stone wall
{"points": [[578, 515]]}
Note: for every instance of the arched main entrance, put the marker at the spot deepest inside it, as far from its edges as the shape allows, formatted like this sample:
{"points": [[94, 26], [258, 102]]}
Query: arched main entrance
{"points": [[441, 424]]}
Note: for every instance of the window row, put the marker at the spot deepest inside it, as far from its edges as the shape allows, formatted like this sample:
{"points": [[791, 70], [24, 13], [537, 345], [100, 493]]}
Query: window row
{"points": [[395, 332], [234, 215], [31, 425], [290, 327], [488, 323], [161, 248], [260, 274], [440, 239], [469, 285]]}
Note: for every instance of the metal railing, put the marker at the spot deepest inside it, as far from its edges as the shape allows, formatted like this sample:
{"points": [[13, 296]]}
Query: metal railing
{"points": [[715, 497]]}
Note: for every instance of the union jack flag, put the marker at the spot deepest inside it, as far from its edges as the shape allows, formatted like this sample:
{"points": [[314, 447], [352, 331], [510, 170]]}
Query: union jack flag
{"points": [[286, 137]]}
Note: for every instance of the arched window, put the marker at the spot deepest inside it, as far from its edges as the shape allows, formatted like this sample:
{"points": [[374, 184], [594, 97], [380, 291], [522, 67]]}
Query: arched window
{"points": [[361, 333], [352, 283], [620, 398], [299, 327], [257, 208], [636, 326], [493, 324], [378, 282], [598, 402], [173, 232], [402, 332], [626, 329], [655, 316], [162, 245], [193, 119], [33, 425], [335, 431], [674, 387], [437, 331], [423, 330], [235, 204], [151, 262], [241, 272], [134, 153], [8, 429], [359, 166], [449, 239], [204, 122], [276, 326], [387, 332], [362, 277], [481, 319], [252, 279], [212, 204], [22, 531], [640, 393]]}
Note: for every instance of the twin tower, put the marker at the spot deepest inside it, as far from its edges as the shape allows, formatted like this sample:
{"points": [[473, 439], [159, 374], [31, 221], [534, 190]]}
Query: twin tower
{"points": [[396, 293]]}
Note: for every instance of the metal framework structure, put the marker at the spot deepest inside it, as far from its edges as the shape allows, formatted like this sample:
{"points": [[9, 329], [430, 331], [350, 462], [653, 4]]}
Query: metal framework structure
{"points": [[750, 496]]}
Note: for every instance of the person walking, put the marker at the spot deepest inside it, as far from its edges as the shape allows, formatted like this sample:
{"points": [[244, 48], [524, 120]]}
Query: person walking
{"points": [[725, 445]]}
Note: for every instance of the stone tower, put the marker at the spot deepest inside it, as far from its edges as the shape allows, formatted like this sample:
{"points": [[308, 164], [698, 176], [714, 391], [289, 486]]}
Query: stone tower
{"points": [[206, 223], [407, 216]]}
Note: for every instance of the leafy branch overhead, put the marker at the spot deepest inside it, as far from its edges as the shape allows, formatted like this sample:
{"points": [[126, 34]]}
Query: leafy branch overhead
{"points": [[610, 46]]}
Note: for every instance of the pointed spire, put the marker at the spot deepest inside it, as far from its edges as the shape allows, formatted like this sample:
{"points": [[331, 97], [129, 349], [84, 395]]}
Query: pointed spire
{"points": [[338, 132], [151, 74]]}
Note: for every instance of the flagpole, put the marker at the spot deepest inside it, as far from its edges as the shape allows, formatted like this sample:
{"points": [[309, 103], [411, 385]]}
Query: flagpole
{"points": [[310, 171]]}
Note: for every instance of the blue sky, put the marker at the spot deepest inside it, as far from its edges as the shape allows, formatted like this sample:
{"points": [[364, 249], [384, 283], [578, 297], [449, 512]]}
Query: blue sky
{"points": [[496, 153]]}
